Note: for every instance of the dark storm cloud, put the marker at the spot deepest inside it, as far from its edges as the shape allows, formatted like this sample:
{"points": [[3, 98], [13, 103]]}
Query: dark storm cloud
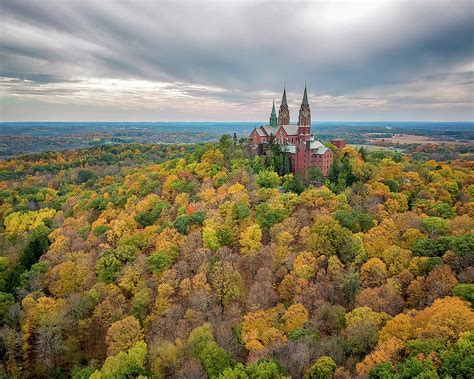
{"points": [[239, 53]]}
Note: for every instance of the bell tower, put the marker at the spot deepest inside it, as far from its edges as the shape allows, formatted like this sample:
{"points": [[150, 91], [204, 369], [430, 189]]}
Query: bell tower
{"points": [[284, 112], [304, 118]]}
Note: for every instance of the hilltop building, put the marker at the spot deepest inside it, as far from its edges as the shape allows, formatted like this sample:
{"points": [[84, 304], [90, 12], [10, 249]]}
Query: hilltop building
{"points": [[339, 143], [296, 140]]}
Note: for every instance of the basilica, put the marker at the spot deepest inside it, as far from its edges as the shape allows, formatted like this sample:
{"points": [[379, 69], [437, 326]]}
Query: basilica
{"points": [[296, 140]]}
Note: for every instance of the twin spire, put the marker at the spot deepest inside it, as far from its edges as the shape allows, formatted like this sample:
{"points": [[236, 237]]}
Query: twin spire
{"points": [[283, 99], [305, 96], [284, 112]]}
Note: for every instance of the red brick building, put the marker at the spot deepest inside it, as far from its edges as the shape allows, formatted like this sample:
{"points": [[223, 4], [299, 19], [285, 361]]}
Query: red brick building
{"points": [[302, 149], [339, 143]]}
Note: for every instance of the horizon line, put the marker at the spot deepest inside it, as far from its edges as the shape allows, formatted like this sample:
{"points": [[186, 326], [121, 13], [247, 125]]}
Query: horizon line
{"points": [[235, 121]]}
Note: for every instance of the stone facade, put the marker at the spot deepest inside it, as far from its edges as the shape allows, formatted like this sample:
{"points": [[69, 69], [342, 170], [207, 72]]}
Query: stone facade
{"points": [[296, 140]]}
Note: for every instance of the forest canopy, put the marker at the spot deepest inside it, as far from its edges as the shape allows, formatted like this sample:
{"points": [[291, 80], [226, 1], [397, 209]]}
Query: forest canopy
{"points": [[203, 260]]}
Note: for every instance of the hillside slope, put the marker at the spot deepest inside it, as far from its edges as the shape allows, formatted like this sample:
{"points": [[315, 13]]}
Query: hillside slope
{"points": [[201, 261]]}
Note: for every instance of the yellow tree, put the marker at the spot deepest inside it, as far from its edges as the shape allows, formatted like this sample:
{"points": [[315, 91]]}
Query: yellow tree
{"points": [[446, 319], [251, 240], [295, 317], [304, 265], [373, 273], [122, 335], [387, 351], [260, 328], [380, 237]]}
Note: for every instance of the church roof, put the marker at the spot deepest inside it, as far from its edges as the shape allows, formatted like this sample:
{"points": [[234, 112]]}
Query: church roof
{"points": [[261, 131], [321, 150], [291, 130], [318, 146], [268, 129], [315, 144]]}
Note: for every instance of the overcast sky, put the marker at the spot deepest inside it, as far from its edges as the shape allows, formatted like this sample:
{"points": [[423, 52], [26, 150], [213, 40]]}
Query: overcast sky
{"points": [[225, 61]]}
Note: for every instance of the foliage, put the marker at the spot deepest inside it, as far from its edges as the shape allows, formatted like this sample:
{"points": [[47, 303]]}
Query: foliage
{"points": [[250, 240], [111, 262], [217, 257], [354, 220], [268, 179], [122, 335], [214, 359], [323, 368], [465, 291], [459, 361], [262, 369], [125, 364]]}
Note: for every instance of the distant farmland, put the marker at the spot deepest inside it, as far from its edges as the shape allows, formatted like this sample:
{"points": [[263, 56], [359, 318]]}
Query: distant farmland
{"points": [[406, 139]]}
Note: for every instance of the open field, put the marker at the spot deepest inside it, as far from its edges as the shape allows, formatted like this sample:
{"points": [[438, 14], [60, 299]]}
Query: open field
{"points": [[404, 139]]}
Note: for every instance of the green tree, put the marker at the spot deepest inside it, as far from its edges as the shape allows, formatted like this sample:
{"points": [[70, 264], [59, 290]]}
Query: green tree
{"points": [[85, 175], [38, 244], [354, 221], [434, 225], [126, 364], [203, 346], [293, 183], [268, 215], [329, 237], [6, 301], [268, 179], [383, 371], [314, 175], [263, 369], [240, 211], [160, 261], [465, 291], [148, 218], [458, 362], [323, 368], [110, 263], [416, 368], [182, 223]]}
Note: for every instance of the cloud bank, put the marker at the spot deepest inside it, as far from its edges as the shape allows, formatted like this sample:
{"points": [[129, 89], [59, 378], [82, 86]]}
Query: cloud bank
{"points": [[144, 60]]}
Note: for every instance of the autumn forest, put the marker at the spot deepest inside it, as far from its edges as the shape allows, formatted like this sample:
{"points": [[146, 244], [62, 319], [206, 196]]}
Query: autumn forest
{"points": [[205, 261]]}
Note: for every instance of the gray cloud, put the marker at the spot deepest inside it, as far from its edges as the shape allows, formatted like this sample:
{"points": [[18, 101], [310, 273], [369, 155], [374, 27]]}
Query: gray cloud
{"points": [[226, 60]]}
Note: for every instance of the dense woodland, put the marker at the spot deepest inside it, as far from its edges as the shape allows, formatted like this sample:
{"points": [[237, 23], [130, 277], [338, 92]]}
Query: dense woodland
{"points": [[202, 260]]}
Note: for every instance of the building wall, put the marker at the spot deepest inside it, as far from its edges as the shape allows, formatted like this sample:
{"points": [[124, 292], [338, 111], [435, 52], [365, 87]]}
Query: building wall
{"points": [[305, 158], [339, 143], [302, 156], [324, 161], [256, 138]]}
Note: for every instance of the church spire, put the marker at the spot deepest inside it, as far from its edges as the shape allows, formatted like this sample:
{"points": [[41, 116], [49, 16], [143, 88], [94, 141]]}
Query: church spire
{"points": [[283, 99], [284, 112], [273, 116], [304, 118], [305, 96]]}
